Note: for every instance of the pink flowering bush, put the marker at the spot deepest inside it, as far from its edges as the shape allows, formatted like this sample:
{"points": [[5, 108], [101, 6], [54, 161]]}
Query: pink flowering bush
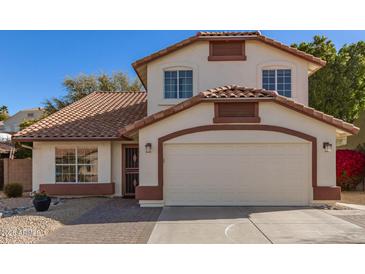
{"points": [[350, 168]]}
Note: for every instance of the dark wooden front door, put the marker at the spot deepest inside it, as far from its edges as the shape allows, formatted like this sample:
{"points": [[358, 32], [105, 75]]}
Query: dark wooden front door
{"points": [[130, 169]]}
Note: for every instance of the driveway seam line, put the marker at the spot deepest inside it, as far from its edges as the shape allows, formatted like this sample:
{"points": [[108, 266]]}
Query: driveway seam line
{"points": [[271, 242]]}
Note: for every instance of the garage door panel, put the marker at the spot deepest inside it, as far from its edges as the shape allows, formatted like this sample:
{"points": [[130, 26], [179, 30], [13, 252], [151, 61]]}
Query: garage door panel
{"points": [[236, 174]]}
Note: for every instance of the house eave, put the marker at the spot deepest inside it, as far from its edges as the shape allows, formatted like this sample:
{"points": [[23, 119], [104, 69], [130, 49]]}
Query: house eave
{"points": [[69, 139]]}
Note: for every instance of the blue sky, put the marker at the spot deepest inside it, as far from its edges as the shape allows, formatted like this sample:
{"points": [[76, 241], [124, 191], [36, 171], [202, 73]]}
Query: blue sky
{"points": [[33, 64]]}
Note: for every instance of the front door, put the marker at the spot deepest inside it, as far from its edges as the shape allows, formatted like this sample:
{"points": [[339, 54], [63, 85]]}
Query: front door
{"points": [[130, 169]]}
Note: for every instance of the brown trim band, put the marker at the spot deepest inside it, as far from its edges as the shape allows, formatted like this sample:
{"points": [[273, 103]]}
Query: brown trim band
{"points": [[227, 58], [327, 193], [149, 193], [157, 191], [78, 189]]}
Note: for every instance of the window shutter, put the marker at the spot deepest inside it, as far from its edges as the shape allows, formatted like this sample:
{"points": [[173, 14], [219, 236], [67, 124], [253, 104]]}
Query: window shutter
{"points": [[236, 112], [227, 51]]}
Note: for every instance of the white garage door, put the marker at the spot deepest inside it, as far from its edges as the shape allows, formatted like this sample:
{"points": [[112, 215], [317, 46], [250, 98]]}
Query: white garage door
{"points": [[237, 174]]}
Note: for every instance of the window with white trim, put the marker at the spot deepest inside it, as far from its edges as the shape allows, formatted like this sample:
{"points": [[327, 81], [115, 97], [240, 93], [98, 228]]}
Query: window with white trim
{"points": [[76, 165], [178, 84], [277, 79]]}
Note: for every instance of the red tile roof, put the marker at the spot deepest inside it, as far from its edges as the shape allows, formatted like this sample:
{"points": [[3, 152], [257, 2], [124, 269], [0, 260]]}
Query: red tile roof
{"points": [[228, 33], [114, 115], [255, 35], [97, 116], [238, 92], [234, 92]]}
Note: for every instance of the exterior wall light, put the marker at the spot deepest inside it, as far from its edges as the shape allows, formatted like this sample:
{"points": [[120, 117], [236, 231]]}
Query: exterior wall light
{"points": [[148, 147], [327, 147]]}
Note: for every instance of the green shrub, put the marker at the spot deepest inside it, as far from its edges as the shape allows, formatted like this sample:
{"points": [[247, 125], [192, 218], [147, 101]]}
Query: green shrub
{"points": [[13, 190]]}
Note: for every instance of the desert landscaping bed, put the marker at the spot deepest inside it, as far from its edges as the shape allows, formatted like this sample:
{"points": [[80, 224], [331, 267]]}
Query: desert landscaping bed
{"points": [[353, 197], [28, 226]]}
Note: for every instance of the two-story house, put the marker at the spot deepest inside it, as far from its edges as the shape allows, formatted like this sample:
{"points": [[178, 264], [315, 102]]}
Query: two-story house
{"points": [[11, 125], [225, 121]]}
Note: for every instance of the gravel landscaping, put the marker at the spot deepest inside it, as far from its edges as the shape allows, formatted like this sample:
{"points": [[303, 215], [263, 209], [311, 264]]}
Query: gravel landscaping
{"points": [[28, 226], [353, 197]]}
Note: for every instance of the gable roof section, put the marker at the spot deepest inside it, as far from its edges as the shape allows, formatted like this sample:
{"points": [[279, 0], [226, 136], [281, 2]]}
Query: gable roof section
{"points": [[139, 65], [238, 93], [97, 116]]}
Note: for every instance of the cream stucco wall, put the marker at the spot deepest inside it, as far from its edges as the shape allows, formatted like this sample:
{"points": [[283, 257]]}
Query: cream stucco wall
{"points": [[44, 168], [211, 74], [109, 162], [274, 114], [116, 167], [270, 113]]}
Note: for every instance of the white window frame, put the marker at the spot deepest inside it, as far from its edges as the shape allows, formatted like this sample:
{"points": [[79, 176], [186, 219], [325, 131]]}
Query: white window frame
{"points": [[75, 164], [178, 85], [276, 79], [275, 65]]}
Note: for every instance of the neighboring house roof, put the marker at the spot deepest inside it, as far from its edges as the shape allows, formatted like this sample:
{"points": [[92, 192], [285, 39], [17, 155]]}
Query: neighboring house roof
{"points": [[96, 116], [256, 35], [20, 112], [238, 93], [5, 148], [12, 123]]}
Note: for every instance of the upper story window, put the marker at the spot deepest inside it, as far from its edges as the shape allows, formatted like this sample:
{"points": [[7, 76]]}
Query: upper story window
{"points": [[30, 115], [227, 51], [277, 79], [178, 84]]}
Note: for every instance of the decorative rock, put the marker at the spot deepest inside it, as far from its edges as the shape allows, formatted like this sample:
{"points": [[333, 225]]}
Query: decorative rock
{"points": [[20, 209], [8, 212]]}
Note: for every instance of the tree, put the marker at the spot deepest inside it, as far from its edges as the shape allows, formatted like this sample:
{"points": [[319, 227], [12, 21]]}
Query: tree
{"points": [[4, 113], [82, 85], [338, 88], [28, 123]]}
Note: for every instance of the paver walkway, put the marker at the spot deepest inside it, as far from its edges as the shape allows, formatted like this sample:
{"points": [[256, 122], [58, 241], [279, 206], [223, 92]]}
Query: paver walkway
{"points": [[116, 221]]}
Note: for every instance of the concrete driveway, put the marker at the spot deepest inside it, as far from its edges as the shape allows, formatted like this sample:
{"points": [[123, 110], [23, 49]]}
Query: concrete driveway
{"points": [[257, 225]]}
